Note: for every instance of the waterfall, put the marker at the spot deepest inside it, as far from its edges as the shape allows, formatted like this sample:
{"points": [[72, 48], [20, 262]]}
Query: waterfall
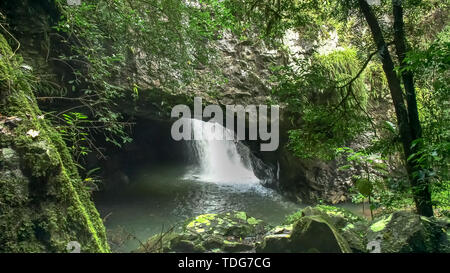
{"points": [[219, 161]]}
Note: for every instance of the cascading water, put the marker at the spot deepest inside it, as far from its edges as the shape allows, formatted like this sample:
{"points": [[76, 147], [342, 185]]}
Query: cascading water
{"points": [[220, 161], [222, 176], [162, 195]]}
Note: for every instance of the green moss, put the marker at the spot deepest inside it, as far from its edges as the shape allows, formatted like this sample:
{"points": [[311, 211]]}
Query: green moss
{"points": [[60, 208], [335, 211], [241, 215], [226, 242], [303, 225], [278, 236], [229, 232], [204, 219], [349, 226], [381, 224], [253, 221], [292, 218], [328, 211]]}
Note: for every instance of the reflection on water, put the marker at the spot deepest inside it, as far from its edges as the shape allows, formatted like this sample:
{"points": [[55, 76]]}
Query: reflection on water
{"points": [[160, 197]]}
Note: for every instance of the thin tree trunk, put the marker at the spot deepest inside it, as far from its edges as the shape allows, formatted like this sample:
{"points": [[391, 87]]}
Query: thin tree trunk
{"points": [[421, 195]]}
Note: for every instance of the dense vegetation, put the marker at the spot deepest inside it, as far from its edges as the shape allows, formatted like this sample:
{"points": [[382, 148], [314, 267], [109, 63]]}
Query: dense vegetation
{"points": [[371, 74], [394, 31]]}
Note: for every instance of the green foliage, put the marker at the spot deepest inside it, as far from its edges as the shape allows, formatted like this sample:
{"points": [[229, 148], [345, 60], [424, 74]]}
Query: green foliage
{"points": [[292, 218], [373, 182], [113, 45], [72, 133], [70, 214], [328, 101], [425, 21], [364, 187], [431, 66]]}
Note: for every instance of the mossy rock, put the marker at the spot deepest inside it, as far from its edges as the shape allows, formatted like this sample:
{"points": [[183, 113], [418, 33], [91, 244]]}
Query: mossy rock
{"points": [[350, 226], [44, 203], [184, 245], [405, 232], [317, 234], [339, 217], [277, 240], [225, 232], [310, 234], [236, 224]]}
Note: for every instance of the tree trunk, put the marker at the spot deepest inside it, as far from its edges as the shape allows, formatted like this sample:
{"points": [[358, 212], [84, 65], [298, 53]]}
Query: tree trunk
{"points": [[421, 193], [421, 186], [408, 78]]}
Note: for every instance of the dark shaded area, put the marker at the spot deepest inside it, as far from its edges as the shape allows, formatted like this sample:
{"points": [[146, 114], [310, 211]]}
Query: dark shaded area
{"points": [[152, 145]]}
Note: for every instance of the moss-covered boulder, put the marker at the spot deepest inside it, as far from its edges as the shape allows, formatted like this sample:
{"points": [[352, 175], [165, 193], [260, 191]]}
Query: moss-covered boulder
{"points": [[316, 234], [44, 204], [236, 224], [352, 227], [277, 240], [308, 234], [404, 232], [339, 217], [225, 232]]}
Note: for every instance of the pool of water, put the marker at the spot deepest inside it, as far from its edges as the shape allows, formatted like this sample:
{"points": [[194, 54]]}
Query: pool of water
{"points": [[160, 197]]}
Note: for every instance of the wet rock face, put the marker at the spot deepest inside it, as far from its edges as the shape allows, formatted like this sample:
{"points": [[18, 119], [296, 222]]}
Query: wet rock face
{"points": [[310, 234], [313, 180]]}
